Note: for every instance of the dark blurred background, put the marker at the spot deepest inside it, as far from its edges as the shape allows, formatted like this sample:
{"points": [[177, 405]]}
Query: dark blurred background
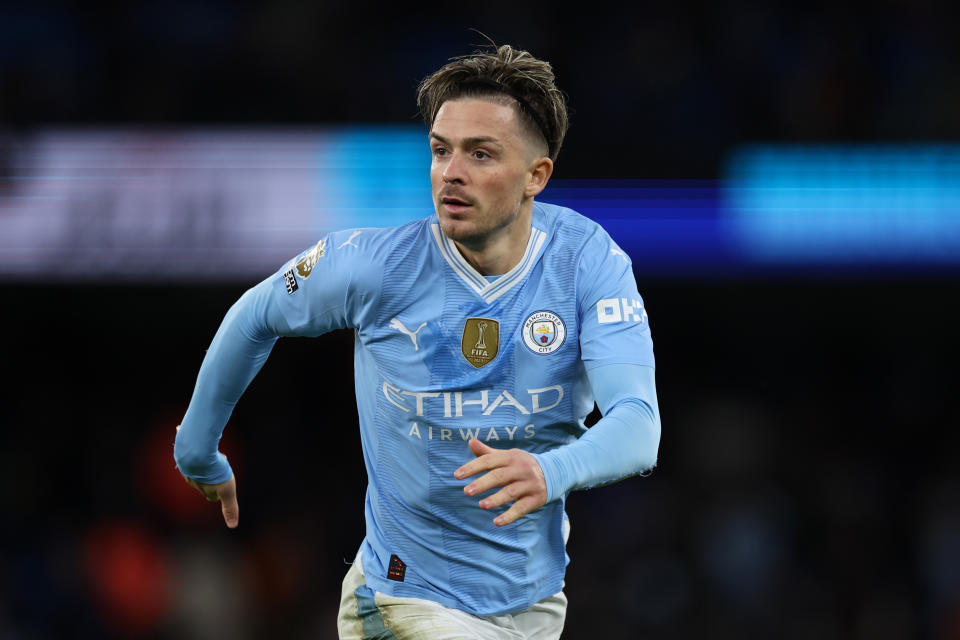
{"points": [[807, 485]]}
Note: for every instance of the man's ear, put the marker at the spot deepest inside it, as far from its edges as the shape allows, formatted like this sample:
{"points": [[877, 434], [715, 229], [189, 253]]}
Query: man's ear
{"points": [[540, 172]]}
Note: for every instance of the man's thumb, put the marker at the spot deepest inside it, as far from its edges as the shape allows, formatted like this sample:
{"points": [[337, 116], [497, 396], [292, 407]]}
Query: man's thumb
{"points": [[231, 510]]}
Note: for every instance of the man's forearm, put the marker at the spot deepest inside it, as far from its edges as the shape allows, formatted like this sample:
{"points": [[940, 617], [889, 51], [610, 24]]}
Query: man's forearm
{"points": [[623, 443], [238, 351]]}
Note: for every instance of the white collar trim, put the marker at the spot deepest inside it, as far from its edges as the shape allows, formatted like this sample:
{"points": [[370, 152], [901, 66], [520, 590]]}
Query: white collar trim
{"points": [[489, 291]]}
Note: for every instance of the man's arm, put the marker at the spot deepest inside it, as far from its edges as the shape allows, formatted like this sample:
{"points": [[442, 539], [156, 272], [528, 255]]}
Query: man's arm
{"points": [[623, 443], [617, 350], [241, 346], [315, 293], [238, 351]]}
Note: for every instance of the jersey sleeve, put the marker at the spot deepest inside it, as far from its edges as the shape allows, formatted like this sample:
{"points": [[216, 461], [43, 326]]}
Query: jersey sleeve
{"points": [[333, 284], [238, 351], [623, 443], [614, 326], [313, 294]]}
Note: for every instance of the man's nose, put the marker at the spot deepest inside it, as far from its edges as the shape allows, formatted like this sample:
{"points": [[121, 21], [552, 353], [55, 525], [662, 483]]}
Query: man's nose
{"points": [[455, 171]]}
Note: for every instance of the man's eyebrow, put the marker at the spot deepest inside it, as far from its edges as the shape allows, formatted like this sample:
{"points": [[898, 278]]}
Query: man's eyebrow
{"points": [[468, 142]]}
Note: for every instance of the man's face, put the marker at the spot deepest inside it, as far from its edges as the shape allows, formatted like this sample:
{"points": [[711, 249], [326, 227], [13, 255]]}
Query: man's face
{"points": [[482, 168]]}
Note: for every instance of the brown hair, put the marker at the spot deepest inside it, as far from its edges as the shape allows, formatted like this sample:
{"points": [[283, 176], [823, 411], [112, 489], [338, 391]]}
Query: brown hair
{"points": [[506, 71]]}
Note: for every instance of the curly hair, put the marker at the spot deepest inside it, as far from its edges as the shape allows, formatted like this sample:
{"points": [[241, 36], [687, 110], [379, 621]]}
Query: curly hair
{"points": [[505, 71]]}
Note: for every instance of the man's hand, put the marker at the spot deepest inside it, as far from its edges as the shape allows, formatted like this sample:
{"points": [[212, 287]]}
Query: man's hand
{"points": [[516, 471], [225, 493]]}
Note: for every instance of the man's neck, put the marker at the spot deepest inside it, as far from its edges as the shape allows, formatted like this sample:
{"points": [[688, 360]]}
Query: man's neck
{"points": [[502, 251]]}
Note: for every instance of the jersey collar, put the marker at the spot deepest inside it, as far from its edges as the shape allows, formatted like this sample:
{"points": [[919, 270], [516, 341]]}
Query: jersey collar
{"points": [[489, 291]]}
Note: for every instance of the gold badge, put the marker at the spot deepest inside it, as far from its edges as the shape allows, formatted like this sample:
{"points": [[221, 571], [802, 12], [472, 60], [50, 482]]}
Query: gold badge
{"points": [[481, 341], [306, 264]]}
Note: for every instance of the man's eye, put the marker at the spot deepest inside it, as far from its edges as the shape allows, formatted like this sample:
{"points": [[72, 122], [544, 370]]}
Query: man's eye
{"points": [[439, 151], [480, 155]]}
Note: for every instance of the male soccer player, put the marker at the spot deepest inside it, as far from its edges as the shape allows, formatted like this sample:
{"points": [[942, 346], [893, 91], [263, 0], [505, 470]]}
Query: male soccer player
{"points": [[484, 333]]}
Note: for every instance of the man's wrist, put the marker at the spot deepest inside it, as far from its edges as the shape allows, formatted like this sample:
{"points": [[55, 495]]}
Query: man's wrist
{"points": [[210, 472], [553, 473]]}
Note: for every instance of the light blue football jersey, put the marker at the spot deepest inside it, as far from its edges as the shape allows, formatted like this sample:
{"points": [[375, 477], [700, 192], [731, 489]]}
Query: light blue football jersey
{"points": [[442, 354]]}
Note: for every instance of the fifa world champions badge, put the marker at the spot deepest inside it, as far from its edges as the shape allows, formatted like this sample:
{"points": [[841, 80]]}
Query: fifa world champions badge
{"points": [[543, 332], [480, 342]]}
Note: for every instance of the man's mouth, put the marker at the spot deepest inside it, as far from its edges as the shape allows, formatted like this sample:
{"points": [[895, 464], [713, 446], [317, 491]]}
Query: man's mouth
{"points": [[454, 204]]}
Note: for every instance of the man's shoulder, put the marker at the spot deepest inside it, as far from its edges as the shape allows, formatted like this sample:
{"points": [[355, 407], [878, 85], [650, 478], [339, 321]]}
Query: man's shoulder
{"points": [[570, 228], [578, 240], [559, 216], [359, 254], [370, 242]]}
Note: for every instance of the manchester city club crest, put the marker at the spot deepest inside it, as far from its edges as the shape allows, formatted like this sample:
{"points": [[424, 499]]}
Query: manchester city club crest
{"points": [[543, 332], [480, 342]]}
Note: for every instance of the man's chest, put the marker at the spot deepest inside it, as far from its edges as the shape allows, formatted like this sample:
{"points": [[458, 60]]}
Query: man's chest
{"points": [[443, 333]]}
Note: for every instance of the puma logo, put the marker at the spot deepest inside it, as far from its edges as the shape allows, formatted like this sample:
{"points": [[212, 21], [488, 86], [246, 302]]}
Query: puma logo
{"points": [[350, 241], [396, 324]]}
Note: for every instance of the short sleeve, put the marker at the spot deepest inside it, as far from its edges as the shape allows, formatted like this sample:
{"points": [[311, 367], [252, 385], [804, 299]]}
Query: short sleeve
{"points": [[614, 326], [331, 285]]}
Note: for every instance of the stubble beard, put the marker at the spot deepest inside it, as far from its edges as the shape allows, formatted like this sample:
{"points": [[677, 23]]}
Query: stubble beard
{"points": [[480, 230]]}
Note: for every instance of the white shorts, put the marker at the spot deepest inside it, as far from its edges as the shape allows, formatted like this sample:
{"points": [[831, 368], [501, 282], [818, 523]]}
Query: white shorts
{"points": [[366, 614]]}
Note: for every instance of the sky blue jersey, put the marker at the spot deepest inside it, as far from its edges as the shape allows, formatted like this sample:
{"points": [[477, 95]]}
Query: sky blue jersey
{"points": [[443, 354]]}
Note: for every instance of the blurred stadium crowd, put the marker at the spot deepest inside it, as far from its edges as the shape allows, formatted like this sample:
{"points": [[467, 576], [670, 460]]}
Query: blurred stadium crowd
{"points": [[808, 484], [657, 89], [806, 488]]}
